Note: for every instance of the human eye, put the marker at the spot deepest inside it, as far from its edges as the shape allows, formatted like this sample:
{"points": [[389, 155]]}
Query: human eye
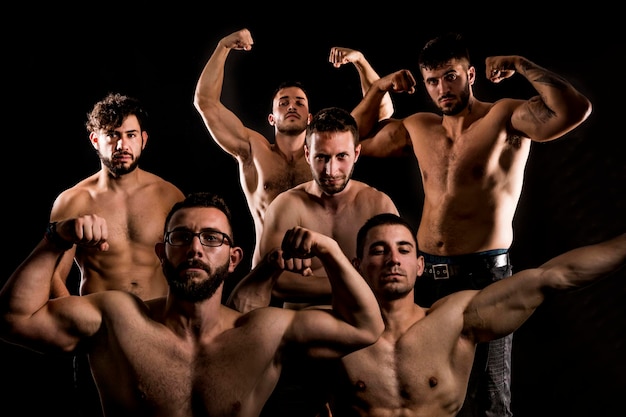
{"points": [[211, 237], [180, 237], [451, 77], [377, 250]]}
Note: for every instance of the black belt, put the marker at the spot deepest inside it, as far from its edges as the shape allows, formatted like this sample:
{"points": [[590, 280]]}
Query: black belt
{"points": [[476, 265]]}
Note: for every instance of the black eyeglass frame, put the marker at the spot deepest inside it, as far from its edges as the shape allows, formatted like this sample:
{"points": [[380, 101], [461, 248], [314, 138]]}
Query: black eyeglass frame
{"points": [[190, 235]]}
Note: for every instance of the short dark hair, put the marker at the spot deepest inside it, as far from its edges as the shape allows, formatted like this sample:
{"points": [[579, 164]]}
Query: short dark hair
{"points": [[290, 83], [442, 49], [110, 112], [332, 119], [380, 220], [201, 199]]}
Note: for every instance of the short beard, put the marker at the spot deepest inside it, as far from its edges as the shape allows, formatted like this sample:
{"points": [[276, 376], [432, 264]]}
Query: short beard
{"points": [[118, 170], [461, 105], [185, 288], [290, 129]]}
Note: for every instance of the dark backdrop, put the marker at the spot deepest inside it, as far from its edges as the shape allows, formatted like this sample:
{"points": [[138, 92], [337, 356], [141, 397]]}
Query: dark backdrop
{"points": [[568, 357]]}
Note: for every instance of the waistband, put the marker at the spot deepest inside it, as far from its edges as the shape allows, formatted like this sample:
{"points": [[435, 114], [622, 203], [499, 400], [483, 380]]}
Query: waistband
{"points": [[445, 267]]}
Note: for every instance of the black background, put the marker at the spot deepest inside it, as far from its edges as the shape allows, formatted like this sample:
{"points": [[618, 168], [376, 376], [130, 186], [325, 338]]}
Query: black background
{"points": [[568, 357]]}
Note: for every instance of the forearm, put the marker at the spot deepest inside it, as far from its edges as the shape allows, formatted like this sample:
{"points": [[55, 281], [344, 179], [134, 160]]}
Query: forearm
{"points": [[209, 85], [367, 76], [297, 288], [352, 298], [28, 288], [582, 266], [366, 113], [255, 289]]}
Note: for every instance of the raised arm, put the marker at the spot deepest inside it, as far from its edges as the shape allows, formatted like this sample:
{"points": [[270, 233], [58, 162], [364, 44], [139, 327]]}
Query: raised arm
{"points": [[255, 289], [367, 75], [557, 109], [27, 315], [224, 126], [356, 320], [503, 306], [307, 285], [385, 137]]}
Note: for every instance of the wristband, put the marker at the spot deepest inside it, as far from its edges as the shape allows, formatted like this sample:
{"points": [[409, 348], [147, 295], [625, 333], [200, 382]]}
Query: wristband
{"points": [[53, 237]]}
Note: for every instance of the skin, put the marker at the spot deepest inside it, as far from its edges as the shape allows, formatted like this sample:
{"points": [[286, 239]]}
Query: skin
{"points": [[266, 168], [134, 202], [332, 204], [185, 364], [472, 157], [403, 374]]}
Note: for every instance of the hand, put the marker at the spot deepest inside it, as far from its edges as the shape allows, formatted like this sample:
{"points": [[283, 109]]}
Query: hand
{"points": [[399, 82], [340, 56], [500, 67], [89, 230], [298, 246], [240, 40]]}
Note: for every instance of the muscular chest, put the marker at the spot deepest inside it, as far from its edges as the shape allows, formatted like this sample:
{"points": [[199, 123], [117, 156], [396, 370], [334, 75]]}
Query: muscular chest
{"points": [[279, 175], [477, 155], [132, 219]]}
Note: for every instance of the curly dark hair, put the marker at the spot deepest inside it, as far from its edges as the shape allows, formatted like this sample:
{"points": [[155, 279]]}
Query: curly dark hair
{"points": [[110, 112]]}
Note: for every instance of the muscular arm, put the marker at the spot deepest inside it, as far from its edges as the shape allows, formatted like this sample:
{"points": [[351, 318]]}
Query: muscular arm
{"points": [[308, 285], [357, 320], [503, 306], [224, 126], [367, 75], [382, 138], [557, 109], [255, 289], [28, 316]]}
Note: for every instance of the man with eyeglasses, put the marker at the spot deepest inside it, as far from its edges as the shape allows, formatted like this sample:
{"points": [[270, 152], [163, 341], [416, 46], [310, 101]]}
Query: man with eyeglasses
{"points": [[186, 354]]}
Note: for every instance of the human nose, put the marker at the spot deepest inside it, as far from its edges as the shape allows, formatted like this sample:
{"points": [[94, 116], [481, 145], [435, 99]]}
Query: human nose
{"points": [[121, 143], [393, 257], [195, 245], [328, 166]]}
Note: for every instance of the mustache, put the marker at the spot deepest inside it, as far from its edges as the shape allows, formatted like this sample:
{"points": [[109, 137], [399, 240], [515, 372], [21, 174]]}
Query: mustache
{"points": [[192, 263]]}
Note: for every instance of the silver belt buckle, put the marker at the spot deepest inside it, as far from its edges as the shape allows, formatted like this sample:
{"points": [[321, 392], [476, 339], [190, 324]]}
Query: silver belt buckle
{"points": [[440, 271]]}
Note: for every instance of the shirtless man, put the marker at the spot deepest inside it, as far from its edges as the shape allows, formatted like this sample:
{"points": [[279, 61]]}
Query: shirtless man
{"points": [[185, 354], [421, 364], [266, 169], [134, 203], [472, 160], [331, 203]]}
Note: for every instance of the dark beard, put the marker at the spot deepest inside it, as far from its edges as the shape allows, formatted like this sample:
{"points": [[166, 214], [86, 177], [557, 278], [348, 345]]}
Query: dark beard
{"points": [[184, 288], [461, 105], [336, 189], [118, 170]]}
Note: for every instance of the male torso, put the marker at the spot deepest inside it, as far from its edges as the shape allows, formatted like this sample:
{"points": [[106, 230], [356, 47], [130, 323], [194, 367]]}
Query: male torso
{"points": [[223, 369], [268, 174], [419, 366], [472, 173], [135, 216]]}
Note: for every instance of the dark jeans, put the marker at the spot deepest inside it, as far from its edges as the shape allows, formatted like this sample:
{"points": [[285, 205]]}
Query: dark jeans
{"points": [[489, 388]]}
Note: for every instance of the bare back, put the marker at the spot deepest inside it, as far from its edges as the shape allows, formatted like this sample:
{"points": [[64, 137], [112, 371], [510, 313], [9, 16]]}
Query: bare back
{"points": [[135, 214], [472, 178]]}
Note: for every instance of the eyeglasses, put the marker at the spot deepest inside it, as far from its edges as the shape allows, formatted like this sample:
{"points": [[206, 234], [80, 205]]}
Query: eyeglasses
{"points": [[211, 238]]}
